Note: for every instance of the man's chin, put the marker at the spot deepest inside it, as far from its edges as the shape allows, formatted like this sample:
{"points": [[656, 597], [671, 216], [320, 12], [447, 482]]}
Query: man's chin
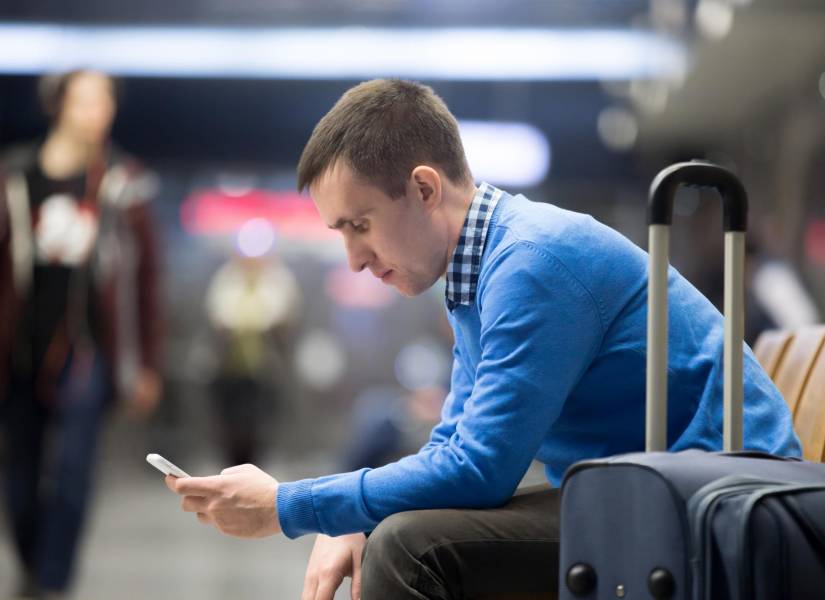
{"points": [[410, 291]]}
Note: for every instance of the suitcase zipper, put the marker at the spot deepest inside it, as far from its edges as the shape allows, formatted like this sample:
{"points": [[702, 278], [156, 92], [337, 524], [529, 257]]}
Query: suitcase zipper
{"points": [[701, 507]]}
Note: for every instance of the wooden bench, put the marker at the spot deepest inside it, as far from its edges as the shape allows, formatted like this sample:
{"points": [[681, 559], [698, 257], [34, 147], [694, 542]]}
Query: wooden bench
{"points": [[770, 349], [796, 365], [809, 421]]}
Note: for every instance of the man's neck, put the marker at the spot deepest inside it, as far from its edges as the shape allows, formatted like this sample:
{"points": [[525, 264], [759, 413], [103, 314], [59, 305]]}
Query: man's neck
{"points": [[460, 201], [64, 156]]}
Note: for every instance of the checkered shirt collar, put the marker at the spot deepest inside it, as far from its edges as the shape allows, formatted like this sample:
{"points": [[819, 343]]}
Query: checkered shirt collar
{"points": [[462, 272]]}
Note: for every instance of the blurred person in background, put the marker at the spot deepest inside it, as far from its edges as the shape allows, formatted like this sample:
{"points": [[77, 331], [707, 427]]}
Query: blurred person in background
{"points": [[389, 422], [78, 317], [776, 297], [252, 305], [549, 312], [388, 425]]}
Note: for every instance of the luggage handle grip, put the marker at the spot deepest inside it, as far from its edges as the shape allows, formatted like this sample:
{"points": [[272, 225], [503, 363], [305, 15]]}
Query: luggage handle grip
{"points": [[698, 174]]}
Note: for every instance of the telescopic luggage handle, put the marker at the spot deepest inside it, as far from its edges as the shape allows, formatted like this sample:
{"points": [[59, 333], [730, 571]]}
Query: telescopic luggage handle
{"points": [[735, 216]]}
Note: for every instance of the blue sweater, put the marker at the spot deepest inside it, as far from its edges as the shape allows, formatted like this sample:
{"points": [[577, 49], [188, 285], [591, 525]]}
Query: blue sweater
{"points": [[549, 363]]}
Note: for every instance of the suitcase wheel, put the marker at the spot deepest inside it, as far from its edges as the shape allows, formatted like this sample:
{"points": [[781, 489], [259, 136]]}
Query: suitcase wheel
{"points": [[581, 579], [661, 584]]}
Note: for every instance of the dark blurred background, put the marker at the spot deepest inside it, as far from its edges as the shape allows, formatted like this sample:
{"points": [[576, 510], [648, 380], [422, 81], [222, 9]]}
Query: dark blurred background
{"points": [[574, 102]]}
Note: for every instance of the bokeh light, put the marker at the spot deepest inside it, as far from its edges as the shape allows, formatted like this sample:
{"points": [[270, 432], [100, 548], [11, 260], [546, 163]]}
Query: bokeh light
{"points": [[255, 238]]}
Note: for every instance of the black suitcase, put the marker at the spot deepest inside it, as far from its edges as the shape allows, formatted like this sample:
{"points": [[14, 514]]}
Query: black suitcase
{"points": [[694, 525]]}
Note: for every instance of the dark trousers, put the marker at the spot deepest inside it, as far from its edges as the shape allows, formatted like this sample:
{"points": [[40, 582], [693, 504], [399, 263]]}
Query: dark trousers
{"points": [[241, 410], [50, 448], [510, 552]]}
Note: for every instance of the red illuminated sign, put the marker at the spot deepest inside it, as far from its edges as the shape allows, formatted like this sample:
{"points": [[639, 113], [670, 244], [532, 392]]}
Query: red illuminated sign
{"points": [[214, 212]]}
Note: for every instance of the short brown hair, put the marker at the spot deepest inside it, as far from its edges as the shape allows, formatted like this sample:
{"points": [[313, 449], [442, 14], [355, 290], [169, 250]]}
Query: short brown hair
{"points": [[383, 129]]}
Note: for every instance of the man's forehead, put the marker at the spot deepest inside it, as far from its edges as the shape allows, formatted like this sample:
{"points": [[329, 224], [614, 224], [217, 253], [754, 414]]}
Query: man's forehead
{"points": [[340, 174], [340, 195]]}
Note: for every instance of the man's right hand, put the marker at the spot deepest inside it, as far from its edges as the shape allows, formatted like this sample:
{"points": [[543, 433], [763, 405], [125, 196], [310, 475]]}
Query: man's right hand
{"points": [[333, 559]]}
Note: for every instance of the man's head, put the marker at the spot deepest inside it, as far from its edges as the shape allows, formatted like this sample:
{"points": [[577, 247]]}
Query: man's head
{"points": [[385, 166], [383, 129], [80, 103]]}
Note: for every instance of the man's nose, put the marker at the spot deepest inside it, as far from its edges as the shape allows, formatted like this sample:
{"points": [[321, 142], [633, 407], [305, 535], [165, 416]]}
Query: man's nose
{"points": [[358, 254]]}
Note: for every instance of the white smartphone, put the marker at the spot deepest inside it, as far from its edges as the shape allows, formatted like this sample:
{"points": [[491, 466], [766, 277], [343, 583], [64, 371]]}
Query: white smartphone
{"points": [[164, 466]]}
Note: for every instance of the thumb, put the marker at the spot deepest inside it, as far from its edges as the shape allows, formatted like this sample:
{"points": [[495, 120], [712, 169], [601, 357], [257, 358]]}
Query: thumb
{"points": [[235, 469]]}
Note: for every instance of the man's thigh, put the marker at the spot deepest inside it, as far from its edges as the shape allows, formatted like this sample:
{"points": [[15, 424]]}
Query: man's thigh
{"points": [[506, 552]]}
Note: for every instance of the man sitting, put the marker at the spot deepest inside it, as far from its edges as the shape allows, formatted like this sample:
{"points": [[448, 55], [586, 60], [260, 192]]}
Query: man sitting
{"points": [[549, 312]]}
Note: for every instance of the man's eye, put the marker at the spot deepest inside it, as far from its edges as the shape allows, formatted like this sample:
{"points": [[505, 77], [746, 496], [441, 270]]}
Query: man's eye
{"points": [[359, 227]]}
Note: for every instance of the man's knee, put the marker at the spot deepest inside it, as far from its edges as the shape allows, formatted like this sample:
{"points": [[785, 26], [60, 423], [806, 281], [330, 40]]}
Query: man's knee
{"points": [[395, 557], [402, 541], [395, 538]]}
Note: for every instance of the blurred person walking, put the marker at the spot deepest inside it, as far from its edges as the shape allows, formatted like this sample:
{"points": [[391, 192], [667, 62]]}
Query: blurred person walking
{"points": [[78, 317], [252, 304]]}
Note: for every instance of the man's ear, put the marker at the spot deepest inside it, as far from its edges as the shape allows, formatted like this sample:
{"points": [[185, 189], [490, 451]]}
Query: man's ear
{"points": [[426, 186]]}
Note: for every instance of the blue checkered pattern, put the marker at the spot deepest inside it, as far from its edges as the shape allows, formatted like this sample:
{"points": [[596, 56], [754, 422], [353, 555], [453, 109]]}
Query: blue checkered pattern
{"points": [[462, 272]]}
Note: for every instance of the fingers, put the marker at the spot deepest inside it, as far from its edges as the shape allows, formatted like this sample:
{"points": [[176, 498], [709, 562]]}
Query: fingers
{"points": [[204, 518], [355, 587], [327, 587], [321, 586], [195, 504], [310, 587], [198, 486]]}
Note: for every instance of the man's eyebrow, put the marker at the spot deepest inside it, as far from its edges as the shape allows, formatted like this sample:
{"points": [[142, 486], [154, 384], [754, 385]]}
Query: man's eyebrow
{"points": [[342, 221]]}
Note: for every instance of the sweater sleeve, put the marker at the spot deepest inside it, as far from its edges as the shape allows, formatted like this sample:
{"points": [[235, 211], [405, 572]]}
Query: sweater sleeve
{"points": [[461, 386], [540, 328]]}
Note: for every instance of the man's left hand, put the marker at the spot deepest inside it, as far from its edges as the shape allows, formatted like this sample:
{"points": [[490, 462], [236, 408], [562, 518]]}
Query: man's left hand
{"points": [[241, 501]]}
